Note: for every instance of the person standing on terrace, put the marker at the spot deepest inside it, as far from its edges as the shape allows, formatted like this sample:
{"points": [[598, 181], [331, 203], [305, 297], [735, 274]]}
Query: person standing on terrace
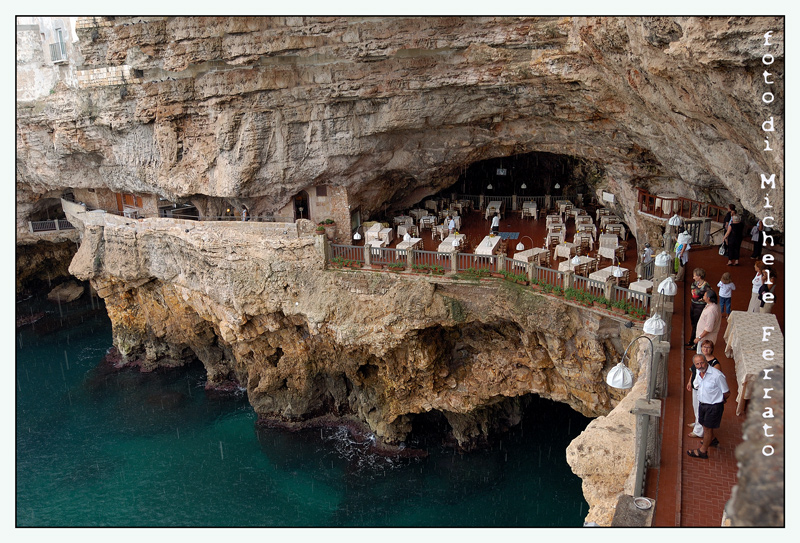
{"points": [[712, 393], [710, 319], [698, 291], [495, 223]]}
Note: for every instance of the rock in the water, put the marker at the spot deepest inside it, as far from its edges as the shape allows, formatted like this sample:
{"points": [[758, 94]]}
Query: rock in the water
{"points": [[66, 292]]}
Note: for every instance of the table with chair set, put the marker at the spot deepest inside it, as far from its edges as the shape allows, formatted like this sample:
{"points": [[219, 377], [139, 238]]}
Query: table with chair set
{"points": [[603, 212], [746, 342], [418, 213], [561, 206], [583, 219], [403, 219], [550, 220], [529, 210], [589, 228], [446, 246], [427, 221], [585, 240], [565, 250], [413, 243], [568, 264], [605, 273], [617, 229], [404, 229], [554, 238], [606, 219], [488, 245], [495, 206], [535, 255], [607, 246]]}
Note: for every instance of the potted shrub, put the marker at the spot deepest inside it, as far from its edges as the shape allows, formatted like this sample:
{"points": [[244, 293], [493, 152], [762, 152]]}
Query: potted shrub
{"points": [[558, 291], [320, 229], [638, 313], [337, 261], [620, 306], [329, 227], [535, 285], [437, 270], [600, 301], [396, 266]]}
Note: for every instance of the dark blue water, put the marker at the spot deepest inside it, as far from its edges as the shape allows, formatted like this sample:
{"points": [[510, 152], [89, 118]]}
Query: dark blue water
{"points": [[102, 448]]}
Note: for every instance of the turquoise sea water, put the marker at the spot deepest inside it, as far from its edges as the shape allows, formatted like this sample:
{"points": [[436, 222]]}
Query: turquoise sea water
{"points": [[102, 448]]}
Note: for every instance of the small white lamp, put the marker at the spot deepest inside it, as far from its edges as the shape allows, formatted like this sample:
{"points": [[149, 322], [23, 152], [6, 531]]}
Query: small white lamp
{"points": [[576, 260], [662, 260], [356, 236], [655, 325], [667, 287]]}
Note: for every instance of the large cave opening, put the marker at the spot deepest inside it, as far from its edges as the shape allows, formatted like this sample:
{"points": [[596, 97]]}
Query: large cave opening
{"points": [[528, 174], [521, 174]]}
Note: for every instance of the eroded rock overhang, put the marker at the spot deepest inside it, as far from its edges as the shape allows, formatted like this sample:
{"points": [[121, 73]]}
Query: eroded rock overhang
{"points": [[388, 107]]}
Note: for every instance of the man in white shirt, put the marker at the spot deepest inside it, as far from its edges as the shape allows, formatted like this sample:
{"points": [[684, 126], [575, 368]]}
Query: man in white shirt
{"points": [[495, 223], [712, 393], [451, 226]]}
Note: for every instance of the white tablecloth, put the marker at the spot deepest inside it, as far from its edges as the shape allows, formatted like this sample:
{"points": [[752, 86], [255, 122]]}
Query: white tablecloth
{"points": [[413, 243], [488, 245], [529, 209], [565, 250], [590, 228], [602, 212], [495, 206], [568, 265], [580, 235], [418, 213], [401, 219], [529, 255], [606, 219], [602, 275], [446, 246], [552, 219], [560, 236], [616, 229], [642, 285], [744, 343], [427, 221]]}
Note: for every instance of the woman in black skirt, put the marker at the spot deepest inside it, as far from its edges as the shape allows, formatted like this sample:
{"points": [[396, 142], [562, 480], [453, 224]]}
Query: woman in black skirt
{"points": [[734, 237]]}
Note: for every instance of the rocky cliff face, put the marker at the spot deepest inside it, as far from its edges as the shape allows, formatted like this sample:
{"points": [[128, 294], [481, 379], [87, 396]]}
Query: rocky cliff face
{"points": [[394, 108], [375, 347]]}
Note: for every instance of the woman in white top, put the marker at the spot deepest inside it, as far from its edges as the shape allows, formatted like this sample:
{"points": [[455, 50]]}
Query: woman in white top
{"points": [[758, 280]]}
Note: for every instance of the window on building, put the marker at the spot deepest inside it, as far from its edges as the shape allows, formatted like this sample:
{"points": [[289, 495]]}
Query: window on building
{"points": [[322, 191]]}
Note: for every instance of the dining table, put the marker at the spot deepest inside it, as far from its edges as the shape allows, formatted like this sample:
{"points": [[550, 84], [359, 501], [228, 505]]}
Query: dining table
{"points": [[746, 342], [562, 205], [488, 245], [617, 229], [418, 213], [530, 255], [606, 219], [446, 246], [404, 229], [529, 209], [427, 221], [413, 243], [580, 236], [566, 250], [403, 219], [603, 274], [590, 228], [495, 206], [552, 219], [602, 212], [568, 265]]}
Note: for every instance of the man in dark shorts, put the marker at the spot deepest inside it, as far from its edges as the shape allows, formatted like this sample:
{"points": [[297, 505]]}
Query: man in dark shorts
{"points": [[712, 392]]}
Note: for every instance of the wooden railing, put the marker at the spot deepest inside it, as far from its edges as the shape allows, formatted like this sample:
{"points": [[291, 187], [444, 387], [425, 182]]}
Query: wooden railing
{"points": [[660, 206]]}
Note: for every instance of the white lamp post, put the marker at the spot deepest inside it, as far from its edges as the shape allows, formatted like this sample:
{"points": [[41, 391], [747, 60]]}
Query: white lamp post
{"points": [[621, 377], [520, 246]]}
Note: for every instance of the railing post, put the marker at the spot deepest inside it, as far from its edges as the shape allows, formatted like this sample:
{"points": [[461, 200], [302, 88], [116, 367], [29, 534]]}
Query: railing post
{"points": [[30, 226], [56, 223], [367, 254], [569, 279], [513, 202], [501, 263], [454, 261], [707, 231], [410, 258], [608, 289], [531, 271]]}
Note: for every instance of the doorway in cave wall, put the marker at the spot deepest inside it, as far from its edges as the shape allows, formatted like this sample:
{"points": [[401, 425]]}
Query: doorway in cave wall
{"points": [[301, 205]]}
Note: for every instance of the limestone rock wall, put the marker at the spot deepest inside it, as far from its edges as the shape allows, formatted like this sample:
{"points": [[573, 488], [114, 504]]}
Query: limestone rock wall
{"points": [[305, 341], [394, 108]]}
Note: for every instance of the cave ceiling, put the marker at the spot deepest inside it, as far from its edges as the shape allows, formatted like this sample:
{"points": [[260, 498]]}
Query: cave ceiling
{"points": [[396, 109]]}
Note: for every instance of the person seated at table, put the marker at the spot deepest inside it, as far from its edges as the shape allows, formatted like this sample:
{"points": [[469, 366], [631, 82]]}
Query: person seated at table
{"points": [[495, 223]]}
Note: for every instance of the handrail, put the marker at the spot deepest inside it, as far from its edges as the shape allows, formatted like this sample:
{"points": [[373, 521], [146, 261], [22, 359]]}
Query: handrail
{"points": [[655, 205]]}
